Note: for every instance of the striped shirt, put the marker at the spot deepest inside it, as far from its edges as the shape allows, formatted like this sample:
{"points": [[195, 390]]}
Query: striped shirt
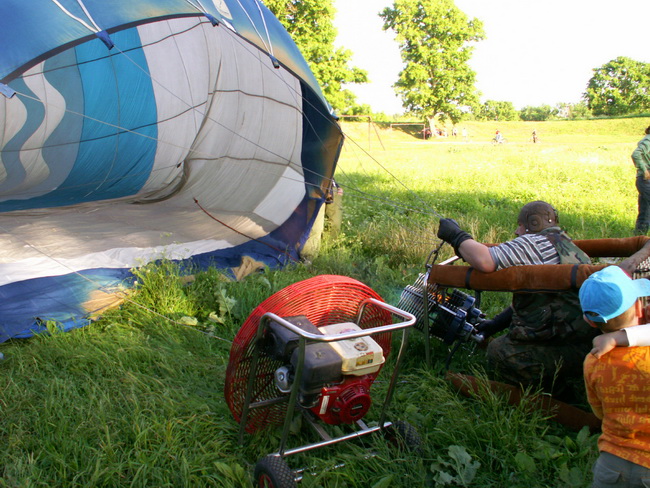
{"points": [[523, 250]]}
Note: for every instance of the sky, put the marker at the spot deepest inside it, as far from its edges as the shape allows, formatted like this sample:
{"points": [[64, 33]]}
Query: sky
{"points": [[535, 52]]}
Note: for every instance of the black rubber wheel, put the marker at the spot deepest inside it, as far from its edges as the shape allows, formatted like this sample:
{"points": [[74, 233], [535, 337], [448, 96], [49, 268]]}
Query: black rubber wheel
{"points": [[404, 436], [273, 472]]}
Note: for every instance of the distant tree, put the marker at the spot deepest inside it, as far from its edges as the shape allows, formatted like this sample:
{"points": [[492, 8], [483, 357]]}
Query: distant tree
{"points": [[579, 111], [543, 112], [310, 24], [494, 110], [619, 87], [363, 109], [434, 38]]}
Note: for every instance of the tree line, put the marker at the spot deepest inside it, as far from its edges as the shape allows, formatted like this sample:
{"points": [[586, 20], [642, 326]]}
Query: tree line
{"points": [[436, 40]]}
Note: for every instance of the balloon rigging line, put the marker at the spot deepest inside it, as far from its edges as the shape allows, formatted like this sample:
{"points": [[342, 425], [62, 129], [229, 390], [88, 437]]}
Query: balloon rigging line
{"points": [[134, 132], [101, 287], [329, 120], [433, 210], [205, 155], [242, 234], [83, 7], [318, 110], [269, 49], [193, 107], [392, 202], [209, 156], [74, 17], [266, 29]]}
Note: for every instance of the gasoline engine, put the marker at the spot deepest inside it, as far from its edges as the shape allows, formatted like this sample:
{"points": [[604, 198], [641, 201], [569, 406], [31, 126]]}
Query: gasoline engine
{"points": [[336, 376], [314, 349]]}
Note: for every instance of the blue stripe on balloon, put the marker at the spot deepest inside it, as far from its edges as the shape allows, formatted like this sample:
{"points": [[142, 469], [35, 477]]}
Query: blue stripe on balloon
{"points": [[118, 92], [117, 127]]}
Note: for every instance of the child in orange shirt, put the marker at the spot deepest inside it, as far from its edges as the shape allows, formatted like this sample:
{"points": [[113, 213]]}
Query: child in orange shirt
{"points": [[618, 383]]}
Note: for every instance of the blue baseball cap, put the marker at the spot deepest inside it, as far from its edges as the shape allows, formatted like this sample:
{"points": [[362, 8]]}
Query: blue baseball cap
{"points": [[610, 292]]}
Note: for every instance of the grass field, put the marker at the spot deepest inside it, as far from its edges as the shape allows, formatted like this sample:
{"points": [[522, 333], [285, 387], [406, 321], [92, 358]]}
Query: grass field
{"points": [[136, 399]]}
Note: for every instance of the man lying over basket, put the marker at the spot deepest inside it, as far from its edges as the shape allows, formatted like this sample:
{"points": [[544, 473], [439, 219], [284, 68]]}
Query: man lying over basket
{"points": [[547, 338]]}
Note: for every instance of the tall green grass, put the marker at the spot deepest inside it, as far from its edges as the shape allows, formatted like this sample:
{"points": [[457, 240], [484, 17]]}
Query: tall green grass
{"points": [[135, 399]]}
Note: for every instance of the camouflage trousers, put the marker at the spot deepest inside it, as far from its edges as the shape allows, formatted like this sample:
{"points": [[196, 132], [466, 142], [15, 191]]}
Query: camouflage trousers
{"points": [[536, 364]]}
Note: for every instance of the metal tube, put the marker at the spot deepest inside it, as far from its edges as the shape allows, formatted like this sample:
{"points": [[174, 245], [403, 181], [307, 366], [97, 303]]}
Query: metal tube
{"points": [[425, 318], [302, 343], [353, 435], [409, 319], [393, 378]]}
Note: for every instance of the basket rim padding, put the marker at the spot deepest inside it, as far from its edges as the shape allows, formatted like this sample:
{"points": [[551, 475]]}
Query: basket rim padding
{"points": [[540, 277]]}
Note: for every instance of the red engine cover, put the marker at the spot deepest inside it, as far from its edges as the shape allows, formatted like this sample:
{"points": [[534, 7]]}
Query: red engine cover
{"points": [[345, 403]]}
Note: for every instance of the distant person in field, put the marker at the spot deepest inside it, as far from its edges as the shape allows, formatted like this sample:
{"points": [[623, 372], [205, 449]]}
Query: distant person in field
{"points": [[641, 159], [498, 137], [534, 135], [618, 382], [464, 133], [546, 333]]}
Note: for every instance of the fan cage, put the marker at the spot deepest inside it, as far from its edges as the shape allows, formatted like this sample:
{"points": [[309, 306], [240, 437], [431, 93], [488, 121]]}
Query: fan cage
{"points": [[324, 300]]}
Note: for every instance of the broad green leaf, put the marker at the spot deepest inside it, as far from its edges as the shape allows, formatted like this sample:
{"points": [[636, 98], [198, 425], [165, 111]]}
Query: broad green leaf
{"points": [[385, 482], [525, 462], [459, 454], [443, 478]]}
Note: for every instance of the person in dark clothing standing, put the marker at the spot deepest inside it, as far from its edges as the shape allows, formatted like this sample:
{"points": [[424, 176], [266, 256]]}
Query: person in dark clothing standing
{"points": [[641, 159]]}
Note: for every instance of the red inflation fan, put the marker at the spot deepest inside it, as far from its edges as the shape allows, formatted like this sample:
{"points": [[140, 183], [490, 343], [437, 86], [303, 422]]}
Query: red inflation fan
{"points": [[314, 347]]}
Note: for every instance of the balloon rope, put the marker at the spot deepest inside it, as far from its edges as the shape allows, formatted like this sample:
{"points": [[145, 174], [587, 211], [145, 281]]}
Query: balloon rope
{"points": [[242, 234], [265, 28], [124, 296], [268, 48], [81, 4], [81, 21]]}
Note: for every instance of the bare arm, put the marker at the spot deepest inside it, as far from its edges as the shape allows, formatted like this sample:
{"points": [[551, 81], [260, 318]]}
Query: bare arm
{"points": [[630, 336], [631, 263], [604, 343], [477, 255]]}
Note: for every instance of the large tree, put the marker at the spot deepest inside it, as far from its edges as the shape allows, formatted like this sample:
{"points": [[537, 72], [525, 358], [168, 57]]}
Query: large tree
{"points": [[435, 39], [310, 24], [619, 87]]}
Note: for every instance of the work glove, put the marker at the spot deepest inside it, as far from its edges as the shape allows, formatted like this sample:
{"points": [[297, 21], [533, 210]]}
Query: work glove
{"points": [[449, 231], [500, 322]]}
